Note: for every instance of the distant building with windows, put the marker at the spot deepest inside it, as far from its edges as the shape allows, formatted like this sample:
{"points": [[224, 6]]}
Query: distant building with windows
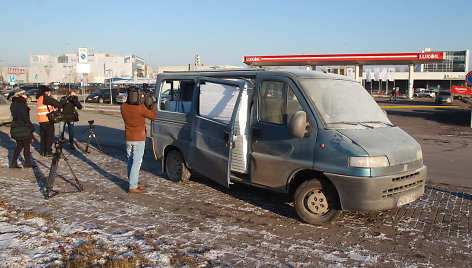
{"points": [[64, 68], [99, 67], [456, 61]]}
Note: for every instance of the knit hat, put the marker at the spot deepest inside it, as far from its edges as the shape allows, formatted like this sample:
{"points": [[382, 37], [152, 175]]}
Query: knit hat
{"points": [[44, 88]]}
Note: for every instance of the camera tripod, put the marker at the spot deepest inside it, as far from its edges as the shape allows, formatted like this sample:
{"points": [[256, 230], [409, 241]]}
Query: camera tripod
{"points": [[57, 155], [90, 136]]}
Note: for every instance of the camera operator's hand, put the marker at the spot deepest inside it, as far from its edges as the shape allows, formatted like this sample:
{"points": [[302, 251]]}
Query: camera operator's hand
{"points": [[149, 100]]}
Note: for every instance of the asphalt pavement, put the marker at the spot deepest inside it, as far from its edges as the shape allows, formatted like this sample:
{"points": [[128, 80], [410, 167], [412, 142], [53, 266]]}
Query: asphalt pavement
{"points": [[176, 223]]}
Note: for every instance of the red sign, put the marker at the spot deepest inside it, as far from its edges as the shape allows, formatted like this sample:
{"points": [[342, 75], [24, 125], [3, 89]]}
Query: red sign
{"points": [[431, 56], [343, 59], [461, 90]]}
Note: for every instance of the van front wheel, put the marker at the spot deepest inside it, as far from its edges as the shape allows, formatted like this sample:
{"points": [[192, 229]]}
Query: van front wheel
{"points": [[175, 167], [316, 202]]}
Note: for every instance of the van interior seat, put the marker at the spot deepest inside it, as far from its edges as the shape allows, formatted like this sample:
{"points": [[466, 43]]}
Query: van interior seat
{"points": [[271, 110], [178, 106], [293, 106]]}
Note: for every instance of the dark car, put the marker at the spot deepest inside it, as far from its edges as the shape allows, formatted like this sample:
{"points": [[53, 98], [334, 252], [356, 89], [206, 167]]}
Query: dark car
{"points": [[102, 95], [444, 96], [6, 93]]}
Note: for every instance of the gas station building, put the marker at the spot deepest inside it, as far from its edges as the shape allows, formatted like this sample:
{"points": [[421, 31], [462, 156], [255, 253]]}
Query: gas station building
{"points": [[426, 69]]}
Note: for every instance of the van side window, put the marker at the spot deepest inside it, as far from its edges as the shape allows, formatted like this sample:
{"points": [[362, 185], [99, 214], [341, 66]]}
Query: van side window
{"points": [[176, 95], [271, 101], [217, 101], [293, 106]]}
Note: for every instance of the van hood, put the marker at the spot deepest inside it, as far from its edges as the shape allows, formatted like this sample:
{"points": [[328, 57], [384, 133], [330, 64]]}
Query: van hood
{"points": [[396, 144]]}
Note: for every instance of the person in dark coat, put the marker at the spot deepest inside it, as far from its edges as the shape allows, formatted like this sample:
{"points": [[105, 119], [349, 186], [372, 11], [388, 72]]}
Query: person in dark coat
{"points": [[20, 113], [69, 115], [45, 104]]}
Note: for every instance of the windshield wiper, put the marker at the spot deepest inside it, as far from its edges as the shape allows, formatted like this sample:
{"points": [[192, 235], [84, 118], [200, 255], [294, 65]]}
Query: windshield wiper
{"points": [[378, 122], [351, 123]]}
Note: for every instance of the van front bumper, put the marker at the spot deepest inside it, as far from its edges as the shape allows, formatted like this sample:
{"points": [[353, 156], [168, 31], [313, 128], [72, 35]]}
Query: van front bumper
{"points": [[379, 193]]}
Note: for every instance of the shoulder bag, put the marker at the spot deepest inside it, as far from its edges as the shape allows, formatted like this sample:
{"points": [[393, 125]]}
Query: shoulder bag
{"points": [[54, 116], [19, 131]]}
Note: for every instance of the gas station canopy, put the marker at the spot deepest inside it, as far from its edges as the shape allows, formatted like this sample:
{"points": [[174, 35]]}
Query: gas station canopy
{"points": [[358, 60], [346, 59]]}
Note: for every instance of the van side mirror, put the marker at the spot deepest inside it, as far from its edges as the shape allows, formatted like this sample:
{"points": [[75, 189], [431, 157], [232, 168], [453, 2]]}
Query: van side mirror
{"points": [[298, 124]]}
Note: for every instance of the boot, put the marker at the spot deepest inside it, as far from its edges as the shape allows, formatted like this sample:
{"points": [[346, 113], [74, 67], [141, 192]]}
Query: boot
{"points": [[30, 165], [14, 164]]}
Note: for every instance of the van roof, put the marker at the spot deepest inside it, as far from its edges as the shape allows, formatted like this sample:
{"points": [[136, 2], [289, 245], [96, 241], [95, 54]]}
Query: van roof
{"points": [[249, 72]]}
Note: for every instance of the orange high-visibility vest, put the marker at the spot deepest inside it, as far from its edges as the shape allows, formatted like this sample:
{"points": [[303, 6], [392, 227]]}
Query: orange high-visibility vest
{"points": [[42, 110]]}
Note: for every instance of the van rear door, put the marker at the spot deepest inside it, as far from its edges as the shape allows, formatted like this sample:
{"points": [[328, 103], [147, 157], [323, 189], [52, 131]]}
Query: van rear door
{"points": [[213, 127]]}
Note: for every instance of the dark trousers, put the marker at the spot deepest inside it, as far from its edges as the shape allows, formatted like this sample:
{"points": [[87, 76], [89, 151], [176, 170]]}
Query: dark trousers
{"points": [[23, 145], [46, 134]]}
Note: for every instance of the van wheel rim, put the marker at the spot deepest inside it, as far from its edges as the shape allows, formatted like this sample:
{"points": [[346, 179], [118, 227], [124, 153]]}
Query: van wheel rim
{"points": [[316, 202], [175, 166]]}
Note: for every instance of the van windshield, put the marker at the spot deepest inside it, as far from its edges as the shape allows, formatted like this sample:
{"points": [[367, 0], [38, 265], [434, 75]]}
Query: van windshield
{"points": [[344, 104]]}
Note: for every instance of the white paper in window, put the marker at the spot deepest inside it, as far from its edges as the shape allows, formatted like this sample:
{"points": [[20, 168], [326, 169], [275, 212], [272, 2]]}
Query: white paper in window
{"points": [[217, 101]]}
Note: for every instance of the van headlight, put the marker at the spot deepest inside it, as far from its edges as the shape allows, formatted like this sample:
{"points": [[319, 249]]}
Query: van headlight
{"points": [[368, 161], [419, 154]]}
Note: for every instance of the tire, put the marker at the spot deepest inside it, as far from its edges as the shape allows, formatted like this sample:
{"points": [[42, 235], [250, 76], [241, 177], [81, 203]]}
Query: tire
{"points": [[100, 100], [316, 202], [29, 100], [175, 167]]}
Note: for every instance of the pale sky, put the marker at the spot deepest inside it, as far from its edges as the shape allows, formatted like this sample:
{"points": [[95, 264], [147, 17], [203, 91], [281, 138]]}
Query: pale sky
{"points": [[222, 32]]}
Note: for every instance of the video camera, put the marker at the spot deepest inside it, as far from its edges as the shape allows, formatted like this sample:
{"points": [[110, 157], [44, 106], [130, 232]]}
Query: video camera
{"points": [[136, 95]]}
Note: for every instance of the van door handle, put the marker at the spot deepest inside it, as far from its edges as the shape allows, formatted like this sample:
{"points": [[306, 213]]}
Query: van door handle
{"points": [[256, 132]]}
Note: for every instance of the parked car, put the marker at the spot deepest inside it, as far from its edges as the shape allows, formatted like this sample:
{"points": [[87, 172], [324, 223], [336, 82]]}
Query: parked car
{"points": [[443, 96], [425, 94], [102, 95], [319, 138], [31, 94], [165, 96], [5, 114]]}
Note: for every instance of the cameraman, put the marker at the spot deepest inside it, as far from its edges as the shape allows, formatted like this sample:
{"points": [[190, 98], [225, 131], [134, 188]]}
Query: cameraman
{"points": [[69, 115], [134, 113]]}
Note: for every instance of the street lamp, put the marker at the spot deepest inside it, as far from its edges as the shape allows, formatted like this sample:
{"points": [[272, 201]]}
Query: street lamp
{"points": [[111, 76], [149, 75]]}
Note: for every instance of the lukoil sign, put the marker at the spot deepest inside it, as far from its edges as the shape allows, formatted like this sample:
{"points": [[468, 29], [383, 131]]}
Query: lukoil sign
{"points": [[461, 90]]}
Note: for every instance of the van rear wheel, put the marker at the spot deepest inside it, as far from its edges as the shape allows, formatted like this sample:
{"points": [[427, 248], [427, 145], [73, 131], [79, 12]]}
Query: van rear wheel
{"points": [[175, 167], [316, 202]]}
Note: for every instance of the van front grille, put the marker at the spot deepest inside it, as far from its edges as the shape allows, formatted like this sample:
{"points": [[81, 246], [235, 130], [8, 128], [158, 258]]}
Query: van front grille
{"points": [[405, 177], [402, 188]]}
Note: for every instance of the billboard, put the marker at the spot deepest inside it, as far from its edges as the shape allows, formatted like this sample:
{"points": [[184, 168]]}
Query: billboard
{"points": [[83, 55], [461, 90], [83, 68]]}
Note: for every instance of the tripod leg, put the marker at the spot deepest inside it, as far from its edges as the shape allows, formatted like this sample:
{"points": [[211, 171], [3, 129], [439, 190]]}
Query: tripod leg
{"points": [[97, 143], [79, 185], [52, 174], [88, 142]]}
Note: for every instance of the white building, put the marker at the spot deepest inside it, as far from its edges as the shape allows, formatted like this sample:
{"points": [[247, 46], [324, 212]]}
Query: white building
{"points": [[193, 67], [64, 68]]}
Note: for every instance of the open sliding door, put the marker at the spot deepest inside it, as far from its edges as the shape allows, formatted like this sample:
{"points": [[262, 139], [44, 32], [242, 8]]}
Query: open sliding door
{"points": [[213, 127]]}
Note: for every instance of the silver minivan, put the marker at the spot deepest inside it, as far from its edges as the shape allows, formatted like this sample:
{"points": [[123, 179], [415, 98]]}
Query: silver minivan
{"points": [[320, 138], [5, 114]]}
